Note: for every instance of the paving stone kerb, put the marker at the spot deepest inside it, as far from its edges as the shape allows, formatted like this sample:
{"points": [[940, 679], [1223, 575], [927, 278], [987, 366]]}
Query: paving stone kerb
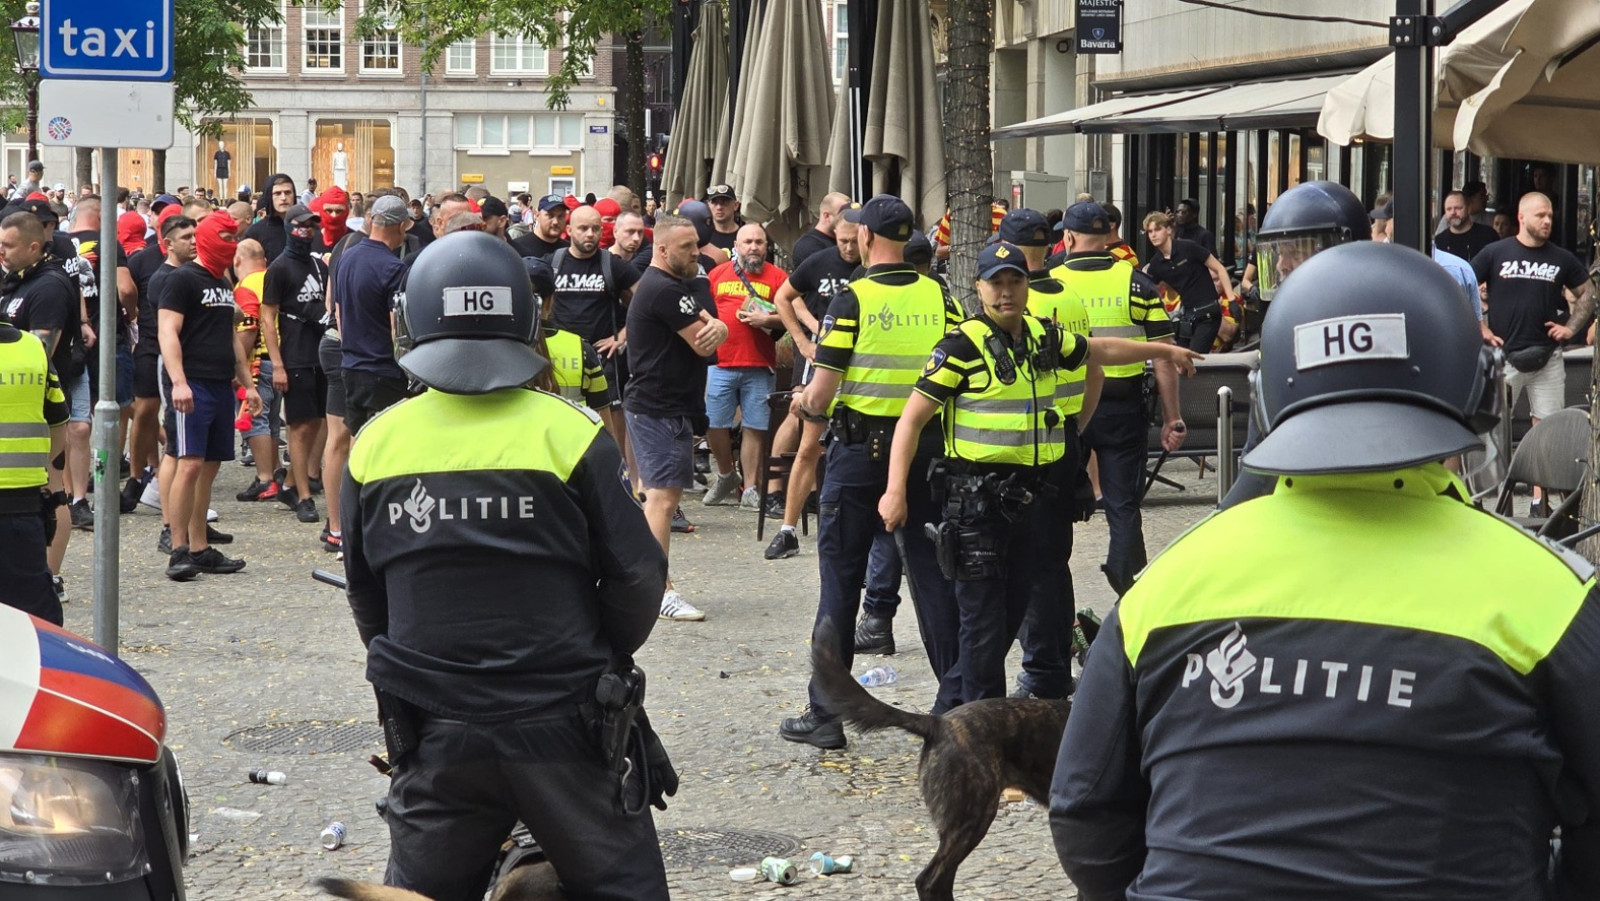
{"points": [[271, 646]]}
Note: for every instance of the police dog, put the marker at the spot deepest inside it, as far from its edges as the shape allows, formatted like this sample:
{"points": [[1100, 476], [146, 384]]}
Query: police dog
{"points": [[536, 882], [969, 756]]}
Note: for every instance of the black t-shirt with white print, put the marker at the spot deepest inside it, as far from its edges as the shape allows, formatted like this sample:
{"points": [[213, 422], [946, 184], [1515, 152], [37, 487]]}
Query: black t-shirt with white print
{"points": [[206, 336], [582, 305], [823, 274], [1525, 289]]}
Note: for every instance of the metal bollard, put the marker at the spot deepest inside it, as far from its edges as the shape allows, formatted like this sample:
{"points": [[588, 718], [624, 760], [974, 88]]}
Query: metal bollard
{"points": [[1227, 460]]}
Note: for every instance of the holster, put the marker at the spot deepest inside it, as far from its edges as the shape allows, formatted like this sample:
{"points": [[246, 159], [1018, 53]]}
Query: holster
{"points": [[979, 507], [618, 698], [943, 536], [401, 724], [852, 428], [49, 503]]}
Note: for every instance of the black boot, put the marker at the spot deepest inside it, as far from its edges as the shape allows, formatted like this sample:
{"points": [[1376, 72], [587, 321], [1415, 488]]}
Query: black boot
{"points": [[808, 729], [875, 635]]}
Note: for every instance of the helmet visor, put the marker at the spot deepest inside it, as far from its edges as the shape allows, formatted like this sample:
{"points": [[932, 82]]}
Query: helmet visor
{"points": [[1279, 255]]}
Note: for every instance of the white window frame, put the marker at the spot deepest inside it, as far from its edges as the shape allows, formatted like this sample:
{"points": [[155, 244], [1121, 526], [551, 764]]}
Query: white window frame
{"points": [[389, 36], [276, 36], [519, 44], [841, 36], [313, 18], [471, 68]]}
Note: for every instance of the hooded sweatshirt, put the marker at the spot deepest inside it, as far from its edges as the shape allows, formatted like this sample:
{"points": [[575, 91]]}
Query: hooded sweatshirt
{"points": [[268, 230], [296, 283]]}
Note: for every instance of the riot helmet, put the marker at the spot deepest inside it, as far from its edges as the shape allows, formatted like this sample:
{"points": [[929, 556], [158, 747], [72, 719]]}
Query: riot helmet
{"points": [[1370, 362], [1305, 220], [468, 318]]}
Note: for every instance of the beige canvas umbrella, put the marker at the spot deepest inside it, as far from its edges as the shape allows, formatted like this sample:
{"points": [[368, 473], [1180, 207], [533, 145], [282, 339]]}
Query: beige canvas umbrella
{"points": [[704, 110], [1544, 101], [778, 156], [903, 138], [736, 124]]}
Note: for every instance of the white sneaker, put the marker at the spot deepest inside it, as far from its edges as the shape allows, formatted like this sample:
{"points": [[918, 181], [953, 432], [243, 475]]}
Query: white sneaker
{"points": [[152, 494], [674, 607], [750, 500], [723, 488]]}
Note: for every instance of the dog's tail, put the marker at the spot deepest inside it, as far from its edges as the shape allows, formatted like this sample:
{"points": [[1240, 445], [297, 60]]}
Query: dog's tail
{"points": [[365, 891], [853, 702]]}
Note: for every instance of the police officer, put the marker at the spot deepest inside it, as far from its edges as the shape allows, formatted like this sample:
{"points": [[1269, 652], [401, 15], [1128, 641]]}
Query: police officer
{"points": [[1399, 701], [870, 350], [995, 378], [1122, 303], [33, 415], [575, 372], [1307, 219], [1046, 635], [490, 696]]}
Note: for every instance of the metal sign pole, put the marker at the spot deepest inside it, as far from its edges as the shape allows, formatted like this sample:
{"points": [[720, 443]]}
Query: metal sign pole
{"points": [[106, 440]]}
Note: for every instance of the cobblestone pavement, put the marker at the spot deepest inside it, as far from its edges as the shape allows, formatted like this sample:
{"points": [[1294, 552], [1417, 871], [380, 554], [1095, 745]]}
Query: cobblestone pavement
{"points": [[271, 647]]}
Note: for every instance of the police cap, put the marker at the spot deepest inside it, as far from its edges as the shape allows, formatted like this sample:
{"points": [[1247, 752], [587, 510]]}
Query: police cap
{"points": [[1086, 218], [1026, 228], [886, 216], [1000, 256]]}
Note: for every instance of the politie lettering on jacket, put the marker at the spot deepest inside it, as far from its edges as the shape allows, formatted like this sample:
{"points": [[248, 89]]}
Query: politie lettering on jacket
{"points": [[1235, 670], [421, 510], [886, 318]]}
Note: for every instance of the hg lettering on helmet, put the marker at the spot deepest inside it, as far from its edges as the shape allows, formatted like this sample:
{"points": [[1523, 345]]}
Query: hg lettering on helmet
{"points": [[1348, 339], [478, 300]]}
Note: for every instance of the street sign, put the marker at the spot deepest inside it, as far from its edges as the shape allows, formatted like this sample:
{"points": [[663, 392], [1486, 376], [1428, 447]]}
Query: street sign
{"points": [[118, 40], [82, 113]]}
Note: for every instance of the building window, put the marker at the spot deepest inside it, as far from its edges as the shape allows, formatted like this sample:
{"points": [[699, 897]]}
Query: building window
{"points": [[250, 143], [380, 51], [324, 40], [517, 55], [541, 131], [264, 50], [355, 154], [461, 58], [586, 69], [841, 41]]}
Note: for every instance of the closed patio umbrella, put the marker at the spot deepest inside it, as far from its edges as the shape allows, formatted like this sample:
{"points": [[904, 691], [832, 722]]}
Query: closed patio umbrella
{"points": [[704, 110]]}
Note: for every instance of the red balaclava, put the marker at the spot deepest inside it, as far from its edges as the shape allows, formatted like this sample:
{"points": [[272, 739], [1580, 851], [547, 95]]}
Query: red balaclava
{"points": [[609, 210], [215, 240], [167, 212], [130, 232], [333, 227]]}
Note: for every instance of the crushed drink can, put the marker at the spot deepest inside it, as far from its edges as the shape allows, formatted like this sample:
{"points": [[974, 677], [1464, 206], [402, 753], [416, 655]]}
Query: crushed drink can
{"points": [[333, 835], [779, 870], [268, 777], [823, 865]]}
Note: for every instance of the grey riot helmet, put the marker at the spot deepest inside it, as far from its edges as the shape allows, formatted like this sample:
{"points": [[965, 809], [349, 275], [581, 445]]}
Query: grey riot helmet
{"points": [[1370, 362], [468, 318], [1304, 221]]}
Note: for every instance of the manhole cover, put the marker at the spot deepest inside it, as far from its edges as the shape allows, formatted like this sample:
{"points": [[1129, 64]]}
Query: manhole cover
{"points": [[723, 847], [307, 738]]}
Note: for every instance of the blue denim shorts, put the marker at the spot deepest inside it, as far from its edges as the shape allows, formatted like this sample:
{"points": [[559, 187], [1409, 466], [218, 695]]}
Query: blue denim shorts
{"points": [[744, 389]]}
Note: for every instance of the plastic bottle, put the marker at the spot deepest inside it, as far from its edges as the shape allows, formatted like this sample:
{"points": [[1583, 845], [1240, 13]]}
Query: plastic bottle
{"points": [[878, 675], [821, 864], [268, 777]]}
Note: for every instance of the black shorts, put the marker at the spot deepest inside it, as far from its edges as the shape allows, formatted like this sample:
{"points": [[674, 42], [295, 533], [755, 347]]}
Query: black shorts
{"points": [[207, 431], [146, 381], [332, 358], [307, 397]]}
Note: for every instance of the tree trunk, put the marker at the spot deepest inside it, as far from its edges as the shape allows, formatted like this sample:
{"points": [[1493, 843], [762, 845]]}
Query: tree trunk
{"points": [[969, 160], [158, 174], [630, 96], [83, 172]]}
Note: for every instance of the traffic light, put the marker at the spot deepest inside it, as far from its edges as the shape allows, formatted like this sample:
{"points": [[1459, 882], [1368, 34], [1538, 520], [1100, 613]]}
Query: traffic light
{"points": [[654, 162]]}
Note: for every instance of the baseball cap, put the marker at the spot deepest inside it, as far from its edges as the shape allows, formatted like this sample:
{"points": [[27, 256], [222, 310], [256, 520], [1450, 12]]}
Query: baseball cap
{"points": [[1025, 228], [540, 276], [42, 211], [999, 257], [164, 200], [389, 210], [552, 202], [919, 250], [721, 192], [36, 166], [493, 206], [300, 214], [1086, 218], [1383, 212], [886, 216]]}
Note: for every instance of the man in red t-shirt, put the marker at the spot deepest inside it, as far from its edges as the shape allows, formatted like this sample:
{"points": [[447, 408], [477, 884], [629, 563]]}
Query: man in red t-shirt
{"points": [[743, 288]]}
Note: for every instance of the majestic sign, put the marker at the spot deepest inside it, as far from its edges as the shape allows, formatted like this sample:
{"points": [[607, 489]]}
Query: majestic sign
{"points": [[1099, 26]]}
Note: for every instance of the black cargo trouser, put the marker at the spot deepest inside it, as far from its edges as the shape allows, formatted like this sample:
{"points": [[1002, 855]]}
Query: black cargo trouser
{"points": [[455, 798]]}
